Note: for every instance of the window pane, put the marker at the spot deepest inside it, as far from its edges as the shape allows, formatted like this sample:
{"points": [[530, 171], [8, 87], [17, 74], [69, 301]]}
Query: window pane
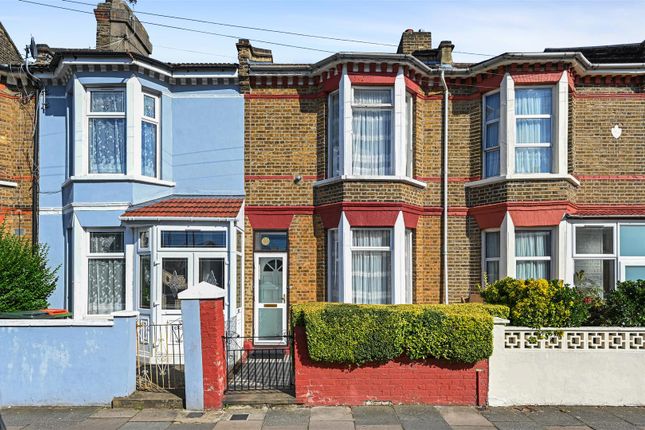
{"points": [[492, 271], [106, 285], [372, 96], [107, 101], [211, 270], [533, 130], [101, 243], [492, 244], [409, 129], [270, 322], [632, 240], [332, 264], [107, 145], [209, 239], [372, 142], [370, 238], [532, 160], [174, 279], [409, 272], [492, 135], [175, 239], [596, 275], [271, 241], [144, 239], [144, 281], [334, 151], [634, 273], [492, 163], [533, 269], [492, 107], [148, 149], [532, 243], [533, 101], [594, 240], [371, 277], [149, 106]]}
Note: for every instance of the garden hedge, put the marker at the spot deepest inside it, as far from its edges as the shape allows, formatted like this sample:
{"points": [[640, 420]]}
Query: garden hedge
{"points": [[357, 334]]}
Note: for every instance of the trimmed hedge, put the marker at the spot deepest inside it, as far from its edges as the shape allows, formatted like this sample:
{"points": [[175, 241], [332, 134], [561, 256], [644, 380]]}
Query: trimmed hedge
{"points": [[357, 334]]}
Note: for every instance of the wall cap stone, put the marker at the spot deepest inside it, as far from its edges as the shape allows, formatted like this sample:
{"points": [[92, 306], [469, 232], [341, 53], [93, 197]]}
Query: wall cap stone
{"points": [[202, 291]]}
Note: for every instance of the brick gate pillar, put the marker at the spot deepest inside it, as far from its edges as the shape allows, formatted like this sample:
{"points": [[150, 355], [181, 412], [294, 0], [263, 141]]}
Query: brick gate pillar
{"points": [[202, 312]]}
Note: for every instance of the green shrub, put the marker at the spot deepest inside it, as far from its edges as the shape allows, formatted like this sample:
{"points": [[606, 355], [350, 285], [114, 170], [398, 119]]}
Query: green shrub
{"points": [[625, 305], [538, 302], [357, 334], [25, 280]]}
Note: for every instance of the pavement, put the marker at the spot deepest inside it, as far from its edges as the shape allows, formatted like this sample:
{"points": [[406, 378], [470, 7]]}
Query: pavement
{"points": [[328, 418]]}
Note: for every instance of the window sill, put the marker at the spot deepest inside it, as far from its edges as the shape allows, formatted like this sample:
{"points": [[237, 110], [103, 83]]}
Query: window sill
{"points": [[524, 177], [357, 178], [119, 178]]}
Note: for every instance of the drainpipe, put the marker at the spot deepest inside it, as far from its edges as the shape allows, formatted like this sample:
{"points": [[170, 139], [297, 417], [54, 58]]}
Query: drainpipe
{"points": [[444, 239], [35, 185]]}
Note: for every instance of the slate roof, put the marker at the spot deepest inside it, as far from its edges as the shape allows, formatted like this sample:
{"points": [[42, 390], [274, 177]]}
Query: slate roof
{"points": [[624, 53], [187, 207], [9, 53]]}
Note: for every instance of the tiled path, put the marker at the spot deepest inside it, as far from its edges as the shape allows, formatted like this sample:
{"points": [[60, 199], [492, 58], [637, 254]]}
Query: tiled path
{"points": [[328, 418]]}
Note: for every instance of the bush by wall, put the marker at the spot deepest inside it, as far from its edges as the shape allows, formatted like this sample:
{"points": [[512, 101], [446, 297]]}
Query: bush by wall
{"points": [[357, 334], [625, 305], [25, 280], [538, 302]]}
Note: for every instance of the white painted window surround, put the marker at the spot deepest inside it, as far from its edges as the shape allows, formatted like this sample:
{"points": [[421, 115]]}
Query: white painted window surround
{"points": [[402, 119], [134, 114], [507, 133], [400, 251]]}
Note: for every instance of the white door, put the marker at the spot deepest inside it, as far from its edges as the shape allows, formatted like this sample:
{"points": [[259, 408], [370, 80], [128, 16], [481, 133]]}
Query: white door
{"points": [[270, 310]]}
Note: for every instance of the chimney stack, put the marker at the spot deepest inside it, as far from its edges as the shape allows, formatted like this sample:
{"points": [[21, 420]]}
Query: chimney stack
{"points": [[117, 29], [412, 41], [445, 52], [247, 53]]}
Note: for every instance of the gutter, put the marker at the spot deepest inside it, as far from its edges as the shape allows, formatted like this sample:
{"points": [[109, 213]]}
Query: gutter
{"points": [[168, 218], [444, 186]]}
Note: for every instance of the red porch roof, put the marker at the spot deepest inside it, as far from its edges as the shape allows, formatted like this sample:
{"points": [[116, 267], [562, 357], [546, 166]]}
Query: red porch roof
{"points": [[188, 207]]}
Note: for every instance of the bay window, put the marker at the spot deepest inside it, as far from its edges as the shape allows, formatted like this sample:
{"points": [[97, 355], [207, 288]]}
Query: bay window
{"points": [[532, 254], [491, 135], [333, 273], [371, 266], [372, 111], [149, 135], [334, 136], [106, 272], [106, 128], [533, 107], [491, 255]]}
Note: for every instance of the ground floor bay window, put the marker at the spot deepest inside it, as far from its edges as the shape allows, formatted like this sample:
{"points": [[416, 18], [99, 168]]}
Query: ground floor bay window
{"points": [[369, 265]]}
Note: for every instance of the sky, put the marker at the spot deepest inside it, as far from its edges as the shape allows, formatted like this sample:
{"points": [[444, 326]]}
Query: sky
{"points": [[486, 28]]}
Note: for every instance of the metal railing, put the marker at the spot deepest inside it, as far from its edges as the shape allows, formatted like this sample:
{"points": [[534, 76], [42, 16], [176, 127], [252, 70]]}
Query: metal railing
{"points": [[259, 363], [160, 356]]}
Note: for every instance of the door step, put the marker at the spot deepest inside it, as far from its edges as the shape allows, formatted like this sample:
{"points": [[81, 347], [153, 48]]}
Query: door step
{"points": [[259, 398], [145, 400]]}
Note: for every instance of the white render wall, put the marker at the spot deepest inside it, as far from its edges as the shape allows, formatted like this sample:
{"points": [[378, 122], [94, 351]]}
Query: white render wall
{"points": [[584, 366]]}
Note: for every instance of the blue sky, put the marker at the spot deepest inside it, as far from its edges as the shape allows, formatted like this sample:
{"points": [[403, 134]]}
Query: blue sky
{"points": [[478, 26]]}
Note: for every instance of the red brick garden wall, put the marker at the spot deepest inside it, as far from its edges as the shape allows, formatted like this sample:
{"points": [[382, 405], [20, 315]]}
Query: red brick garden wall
{"points": [[401, 381]]}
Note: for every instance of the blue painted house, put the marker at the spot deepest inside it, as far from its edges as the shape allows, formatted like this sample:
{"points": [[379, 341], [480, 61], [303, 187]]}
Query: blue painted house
{"points": [[141, 175]]}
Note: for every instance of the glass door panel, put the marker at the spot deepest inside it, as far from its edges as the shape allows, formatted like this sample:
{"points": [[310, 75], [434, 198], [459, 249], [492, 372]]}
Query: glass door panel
{"points": [[174, 279], [211, 270], [270, 298]]}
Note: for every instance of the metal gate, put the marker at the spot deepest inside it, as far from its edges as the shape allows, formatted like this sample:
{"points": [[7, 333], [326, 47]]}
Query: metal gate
{"points": [[160, 356], [251, 366]]}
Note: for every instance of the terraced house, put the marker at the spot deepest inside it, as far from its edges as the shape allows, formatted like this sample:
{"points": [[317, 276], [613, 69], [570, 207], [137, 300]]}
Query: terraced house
{"points": [[407, 178]]}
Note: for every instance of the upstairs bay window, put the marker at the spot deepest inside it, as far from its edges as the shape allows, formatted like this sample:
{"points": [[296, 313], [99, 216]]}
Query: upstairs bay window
{"points": [[372, 111], [491, 135], [533, 108], [107, 138], [149, 135]]}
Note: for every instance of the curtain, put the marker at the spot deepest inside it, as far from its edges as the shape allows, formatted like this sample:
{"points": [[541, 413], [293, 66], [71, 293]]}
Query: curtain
{"points": [[106, 242], [148, 149], [492, 271], [533, 244], [492, 163], [107, 145], [106, 285], [334, 284], [334, 136], [371, 269], [533, 269], [149, 106], [372, 133], [107, 101], [530, 131]]}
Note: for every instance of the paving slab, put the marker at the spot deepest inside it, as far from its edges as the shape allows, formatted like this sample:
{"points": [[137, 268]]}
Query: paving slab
{"points": [[331, 413], [12, 427], [145, 425], [23, 416], [552, 416], [517, 425], [254, 414], [379, 427], [420, 417], [192, 426], [567, 428], [472, 427], [612, 425], [331, 425], [634, 415], [155, 415], [115, 413], [463, 416], [504, 414], [99, 424], [374, 415], [238, 425], [283, 417], [592, 414]]}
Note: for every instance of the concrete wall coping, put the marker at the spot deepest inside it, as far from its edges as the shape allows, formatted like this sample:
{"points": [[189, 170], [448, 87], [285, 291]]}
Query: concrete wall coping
{"points": [[500, 321], [107, 322], [202, 291]]}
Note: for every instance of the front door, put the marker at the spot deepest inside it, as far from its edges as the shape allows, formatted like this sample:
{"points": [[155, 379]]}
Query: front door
{"points": [[270, 298]]}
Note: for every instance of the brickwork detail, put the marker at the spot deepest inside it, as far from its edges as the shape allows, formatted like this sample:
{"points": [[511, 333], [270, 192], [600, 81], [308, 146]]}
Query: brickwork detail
{"points": [[211, 314]]}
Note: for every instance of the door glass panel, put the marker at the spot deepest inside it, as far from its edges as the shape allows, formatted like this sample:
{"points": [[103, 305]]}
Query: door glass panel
{"points": [[270, 288], [211, 270], [174, 279], [270, 322], [144, 281], [634, 273]]}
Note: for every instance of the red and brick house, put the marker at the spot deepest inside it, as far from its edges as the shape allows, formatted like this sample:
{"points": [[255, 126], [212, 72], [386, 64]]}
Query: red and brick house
{"points": [[344, 173]]}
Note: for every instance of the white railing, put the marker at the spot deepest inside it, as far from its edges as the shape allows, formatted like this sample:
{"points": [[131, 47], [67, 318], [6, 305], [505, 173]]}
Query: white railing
{"points": [[579, 338]]}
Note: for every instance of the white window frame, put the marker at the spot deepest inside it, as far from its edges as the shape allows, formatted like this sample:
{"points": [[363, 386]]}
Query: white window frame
{"points": [[329, 262], [577, 256], [104, 256], [485, 259], [354, 248], [409, 135], [89, 116], [409, 265], [550, 258], [550, 116], [161, 228], [330, 151], [485, 124], [157, 122]]}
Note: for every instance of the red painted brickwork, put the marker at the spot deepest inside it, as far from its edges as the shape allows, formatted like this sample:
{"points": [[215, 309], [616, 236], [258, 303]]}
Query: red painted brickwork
{"points": [[401, 381], [211, 313]]}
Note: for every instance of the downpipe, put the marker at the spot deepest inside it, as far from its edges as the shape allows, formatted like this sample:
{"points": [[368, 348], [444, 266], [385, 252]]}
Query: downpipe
{"points": [[444, 233]]}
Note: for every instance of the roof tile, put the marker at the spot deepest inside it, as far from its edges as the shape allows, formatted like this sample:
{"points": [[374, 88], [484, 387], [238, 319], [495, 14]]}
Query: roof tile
{"points": [[189, 207]]}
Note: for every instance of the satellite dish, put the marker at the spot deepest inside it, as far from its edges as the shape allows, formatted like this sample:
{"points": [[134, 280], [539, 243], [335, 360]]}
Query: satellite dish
{"points": [[33, 48]]}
